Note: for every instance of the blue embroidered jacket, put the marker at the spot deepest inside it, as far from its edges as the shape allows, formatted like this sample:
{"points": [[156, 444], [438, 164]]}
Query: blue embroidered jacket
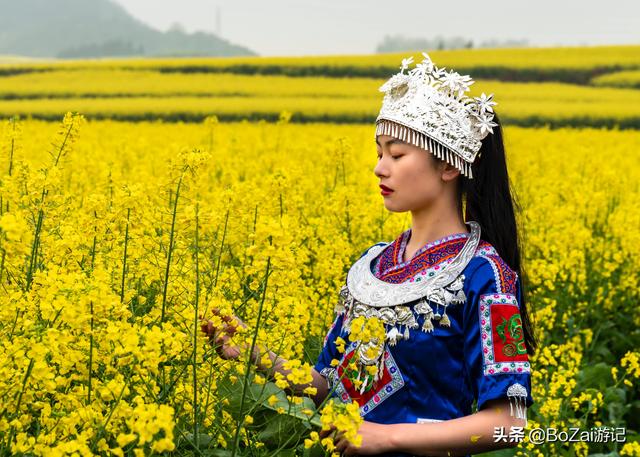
{"points": [[436, 376]]}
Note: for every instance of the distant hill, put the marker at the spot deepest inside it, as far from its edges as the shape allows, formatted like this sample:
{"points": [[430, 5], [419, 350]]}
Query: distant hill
{"points": [[96, 28]]}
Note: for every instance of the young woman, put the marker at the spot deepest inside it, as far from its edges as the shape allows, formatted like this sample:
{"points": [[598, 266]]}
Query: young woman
{"points": [[449, 292]]}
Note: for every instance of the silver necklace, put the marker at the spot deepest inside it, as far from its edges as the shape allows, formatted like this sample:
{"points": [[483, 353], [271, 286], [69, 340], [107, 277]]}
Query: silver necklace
{"points": [[365, 295], [366, 288]]}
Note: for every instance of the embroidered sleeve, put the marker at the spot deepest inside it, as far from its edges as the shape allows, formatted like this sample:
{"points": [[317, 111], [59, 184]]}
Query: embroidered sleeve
{"points": [[495, 352]]}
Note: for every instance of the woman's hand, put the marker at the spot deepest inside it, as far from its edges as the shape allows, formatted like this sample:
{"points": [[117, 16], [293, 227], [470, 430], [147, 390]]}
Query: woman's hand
{"points": [[375, 440], [219, 336]]}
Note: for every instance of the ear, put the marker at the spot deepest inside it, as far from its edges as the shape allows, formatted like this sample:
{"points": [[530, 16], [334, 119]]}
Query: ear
{"points": [[449, 172]]}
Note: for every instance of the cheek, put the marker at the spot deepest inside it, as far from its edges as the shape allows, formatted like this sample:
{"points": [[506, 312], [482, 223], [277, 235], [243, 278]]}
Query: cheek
{"points": [[418, 175]]}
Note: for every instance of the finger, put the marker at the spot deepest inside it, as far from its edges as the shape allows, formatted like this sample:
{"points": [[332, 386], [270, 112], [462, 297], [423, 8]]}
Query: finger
{"points": [[221, 339], [204, 320], [206, 327], [211, 330], [325, 432], [226, 329], [350, 450], [224, 317], [218, 345], [230, 329], [231, 320], [205, 330], [239, 322]]}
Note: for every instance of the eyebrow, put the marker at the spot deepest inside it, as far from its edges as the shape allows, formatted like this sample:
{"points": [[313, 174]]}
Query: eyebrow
{"points": [[391, 141]]}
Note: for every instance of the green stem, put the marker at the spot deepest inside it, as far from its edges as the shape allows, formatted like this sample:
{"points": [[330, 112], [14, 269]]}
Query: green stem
{"points": [[110, 187], [93, 248], [117, 403], [4, 254], [166, 273], [195, 341], [13, 327], [171, 237], [224, 236], [209, 395], [24, 383], [348, 220], [164, 393], [35, 244], [90, 358], [19, 402], [124, 261], [255, 222], [236, 440], [64, 143]]}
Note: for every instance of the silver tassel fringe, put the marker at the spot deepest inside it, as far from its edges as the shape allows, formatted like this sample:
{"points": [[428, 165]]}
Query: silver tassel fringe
{"points": [[517, 395], [408, 135]]}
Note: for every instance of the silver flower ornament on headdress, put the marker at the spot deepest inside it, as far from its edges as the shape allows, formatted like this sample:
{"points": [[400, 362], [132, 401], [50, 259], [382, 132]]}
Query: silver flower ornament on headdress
{"points": [[428, 108]]}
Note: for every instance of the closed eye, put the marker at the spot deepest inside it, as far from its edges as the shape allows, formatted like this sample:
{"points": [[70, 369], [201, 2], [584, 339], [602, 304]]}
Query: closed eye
{"points": [[394, 157]]}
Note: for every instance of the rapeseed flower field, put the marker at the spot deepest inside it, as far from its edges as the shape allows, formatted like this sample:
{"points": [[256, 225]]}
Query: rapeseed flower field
{"points": [[116, 236]]}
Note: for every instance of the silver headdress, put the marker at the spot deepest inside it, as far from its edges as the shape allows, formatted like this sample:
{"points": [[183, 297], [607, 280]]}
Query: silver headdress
{"points": [[428, 108]]}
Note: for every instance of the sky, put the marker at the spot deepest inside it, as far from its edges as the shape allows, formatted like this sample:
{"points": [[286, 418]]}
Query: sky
{"points": [[299, 27]]}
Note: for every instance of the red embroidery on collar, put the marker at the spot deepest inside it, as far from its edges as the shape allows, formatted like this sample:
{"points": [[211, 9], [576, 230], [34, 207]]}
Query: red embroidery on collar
{"points": [[390, 268]]}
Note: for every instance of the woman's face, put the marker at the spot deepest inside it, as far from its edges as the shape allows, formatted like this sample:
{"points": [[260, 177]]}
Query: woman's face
{"points": [[416, 178]]}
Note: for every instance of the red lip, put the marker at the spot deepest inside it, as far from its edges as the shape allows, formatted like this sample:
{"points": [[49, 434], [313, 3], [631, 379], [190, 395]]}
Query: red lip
{"points": [[385, 188]]}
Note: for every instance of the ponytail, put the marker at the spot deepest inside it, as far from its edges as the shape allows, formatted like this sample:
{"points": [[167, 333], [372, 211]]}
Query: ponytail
{"points": [[491, 202]]}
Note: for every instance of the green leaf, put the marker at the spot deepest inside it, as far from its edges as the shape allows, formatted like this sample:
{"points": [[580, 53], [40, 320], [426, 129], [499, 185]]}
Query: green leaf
{"points": [[281, 431], [232, 392], [292, 410], [312, 348], [257, 396], [217, 453], [204, 441], [314, 451], [597, 376]]}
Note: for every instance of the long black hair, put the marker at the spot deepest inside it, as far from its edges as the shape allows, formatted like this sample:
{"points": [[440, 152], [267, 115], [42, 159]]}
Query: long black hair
{"points": [[491, 201]]}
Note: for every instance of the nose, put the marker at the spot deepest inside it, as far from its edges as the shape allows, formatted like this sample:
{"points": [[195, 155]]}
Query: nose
{"points": [[380, 170]]}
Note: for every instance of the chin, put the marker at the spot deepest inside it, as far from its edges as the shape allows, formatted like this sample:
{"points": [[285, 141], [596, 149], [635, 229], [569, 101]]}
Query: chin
{"points": [[394, 208]]}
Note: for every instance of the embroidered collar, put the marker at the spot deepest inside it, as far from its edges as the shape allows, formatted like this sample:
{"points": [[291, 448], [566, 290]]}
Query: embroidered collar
{"points": [[406, 236], [367, 289], [390, 267]]}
